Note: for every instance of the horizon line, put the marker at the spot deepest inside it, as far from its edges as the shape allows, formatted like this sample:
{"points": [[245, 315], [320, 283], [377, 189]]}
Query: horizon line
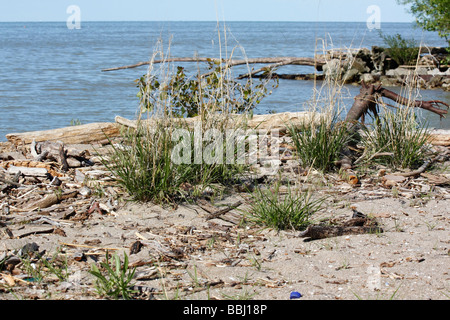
{"points": [[266, 21]]}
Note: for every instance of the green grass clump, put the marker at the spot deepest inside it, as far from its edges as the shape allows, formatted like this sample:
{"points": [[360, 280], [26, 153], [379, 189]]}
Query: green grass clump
{"points": [[143, 164], [319, 145], [292, 210], [396, 132]]}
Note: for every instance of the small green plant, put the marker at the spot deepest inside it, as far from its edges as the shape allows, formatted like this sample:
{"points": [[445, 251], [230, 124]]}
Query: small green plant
{"points": [[255, 262], [75, 122], [34, 269], [245, 294], [403, 51], [189, 96], [114, 280], [290, 211], [398, 133], [57, 266], [319, 145]]}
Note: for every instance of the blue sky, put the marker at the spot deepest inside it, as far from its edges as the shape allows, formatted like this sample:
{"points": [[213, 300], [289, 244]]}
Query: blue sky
{"points": [[203, 10]]}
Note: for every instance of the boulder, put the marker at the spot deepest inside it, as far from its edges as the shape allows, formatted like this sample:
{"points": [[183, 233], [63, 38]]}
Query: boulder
{"points": [[351, 75], [435, 82], [360, 66], [334, 69], [389, 81], [399, 72], [367, 78]]}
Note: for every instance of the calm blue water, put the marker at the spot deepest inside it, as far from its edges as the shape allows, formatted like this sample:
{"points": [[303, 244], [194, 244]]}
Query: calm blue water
{"points": [[51, 75]]}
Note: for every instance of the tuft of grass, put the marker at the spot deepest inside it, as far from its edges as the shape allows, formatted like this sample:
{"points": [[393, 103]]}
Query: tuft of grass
{"points": [[396, 132], [319, 144], [144, 165], [292, 210], [115, 280]]}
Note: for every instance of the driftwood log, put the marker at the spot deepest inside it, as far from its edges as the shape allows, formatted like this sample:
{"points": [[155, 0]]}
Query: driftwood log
{"points": [[356, 225], [366, 102], [51, 199], [265, 122], [82, 134], [273, 62]]}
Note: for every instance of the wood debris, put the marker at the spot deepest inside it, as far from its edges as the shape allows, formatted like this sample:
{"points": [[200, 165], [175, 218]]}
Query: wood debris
{"points": [[72, 202]]}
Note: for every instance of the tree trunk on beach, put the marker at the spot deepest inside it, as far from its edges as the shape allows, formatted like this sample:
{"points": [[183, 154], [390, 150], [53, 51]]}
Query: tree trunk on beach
{"points": [[366, 101]]}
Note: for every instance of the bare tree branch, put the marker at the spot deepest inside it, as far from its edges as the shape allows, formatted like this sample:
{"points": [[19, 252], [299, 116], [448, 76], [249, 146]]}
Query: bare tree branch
{"points": [[230, 63]]}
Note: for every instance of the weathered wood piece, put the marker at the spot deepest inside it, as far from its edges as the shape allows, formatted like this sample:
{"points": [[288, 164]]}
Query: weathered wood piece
{"points": [[82, 134], [439, 137], [321, 232], [278, 121], [357, 225], [26, 171], [51, 199], [230, 63], [220, 212], [33, 231]]}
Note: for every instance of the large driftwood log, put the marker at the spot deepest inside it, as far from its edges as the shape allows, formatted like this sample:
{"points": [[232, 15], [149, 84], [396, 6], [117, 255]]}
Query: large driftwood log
{"points": [[82, 134], [231, 63], [440, 138], [267, 122]]}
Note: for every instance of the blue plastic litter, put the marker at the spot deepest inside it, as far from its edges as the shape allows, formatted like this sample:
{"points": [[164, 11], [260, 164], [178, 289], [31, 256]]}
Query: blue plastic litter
{"points": [[295, 295]]}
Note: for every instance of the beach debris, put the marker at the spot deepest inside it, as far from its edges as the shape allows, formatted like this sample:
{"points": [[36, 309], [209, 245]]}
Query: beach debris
{"points": [[41, 210], [358, 224], [295, 295]]}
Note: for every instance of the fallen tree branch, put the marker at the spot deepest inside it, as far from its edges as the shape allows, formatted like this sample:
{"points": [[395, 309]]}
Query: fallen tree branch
{"points": [[322, 232], [220, 212], [271, 67], [231, 63], [366, 101], [433, 105], [356, 225], [415, 172], [213, 211]]}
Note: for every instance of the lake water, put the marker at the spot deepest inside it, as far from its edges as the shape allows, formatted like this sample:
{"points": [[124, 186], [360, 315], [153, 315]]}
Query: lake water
{"points": [[51, 75]]}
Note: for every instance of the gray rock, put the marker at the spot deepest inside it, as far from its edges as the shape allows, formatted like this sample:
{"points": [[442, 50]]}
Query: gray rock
{"points": [[360, 65], [367, 78], [334, 69], [399, 72], [351, 75], [435, 82], [388, 81]]}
